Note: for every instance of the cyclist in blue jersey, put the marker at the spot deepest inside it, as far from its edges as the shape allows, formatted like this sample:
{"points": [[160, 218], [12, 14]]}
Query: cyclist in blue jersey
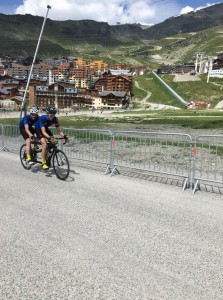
{"points": [[43, 132], [27, 130]]}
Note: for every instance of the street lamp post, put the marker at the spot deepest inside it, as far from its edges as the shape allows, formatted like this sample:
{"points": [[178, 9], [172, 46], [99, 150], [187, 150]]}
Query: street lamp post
{"points": [[31, 69]]}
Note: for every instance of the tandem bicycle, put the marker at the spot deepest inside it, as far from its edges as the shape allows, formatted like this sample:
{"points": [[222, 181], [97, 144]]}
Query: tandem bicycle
{"points": [[55, 158]]}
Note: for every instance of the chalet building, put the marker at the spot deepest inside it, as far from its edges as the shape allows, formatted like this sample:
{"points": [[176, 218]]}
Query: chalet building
{"points": [[165, 69], [115, 80], [112, 100], [10, 83], [138, 70], [217, 63], [8, 92], [17, 100], [2, 69], [179, 69], [182, 69], [4, 93]]}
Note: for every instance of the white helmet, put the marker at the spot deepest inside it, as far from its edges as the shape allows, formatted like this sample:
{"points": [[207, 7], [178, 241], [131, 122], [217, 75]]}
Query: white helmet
{"points": [[34, 110]]}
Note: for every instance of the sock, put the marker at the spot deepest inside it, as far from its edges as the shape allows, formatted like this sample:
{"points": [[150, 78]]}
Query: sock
{"points": [[28, 156], [43, 160]]}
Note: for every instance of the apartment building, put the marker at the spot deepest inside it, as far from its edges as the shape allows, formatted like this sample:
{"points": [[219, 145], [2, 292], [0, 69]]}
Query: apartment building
{"points": [[39, 70], [58, 95]]}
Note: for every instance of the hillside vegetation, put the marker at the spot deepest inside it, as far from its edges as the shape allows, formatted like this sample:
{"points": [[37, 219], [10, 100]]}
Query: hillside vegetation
{"points": [[130, 43], [188, 90]]}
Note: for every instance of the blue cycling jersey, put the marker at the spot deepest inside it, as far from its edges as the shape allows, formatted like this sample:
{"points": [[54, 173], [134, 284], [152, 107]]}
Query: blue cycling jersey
{"points": [[45, 122], [27, 120]]}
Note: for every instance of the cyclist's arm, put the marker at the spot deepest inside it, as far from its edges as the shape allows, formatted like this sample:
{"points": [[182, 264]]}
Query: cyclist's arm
{"points": [[45, 134], [27, 130], [59, 131]]}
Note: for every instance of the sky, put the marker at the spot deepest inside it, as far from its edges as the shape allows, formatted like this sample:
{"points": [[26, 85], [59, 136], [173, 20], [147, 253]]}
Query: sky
{"points": [[146, 12]]}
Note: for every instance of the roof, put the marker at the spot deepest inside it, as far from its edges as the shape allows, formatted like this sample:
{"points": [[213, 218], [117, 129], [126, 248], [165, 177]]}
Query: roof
{"points": [[115, 93], [4, 91], [121, 72]]}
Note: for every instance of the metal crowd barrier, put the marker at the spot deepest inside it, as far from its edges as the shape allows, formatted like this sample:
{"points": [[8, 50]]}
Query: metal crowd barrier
{"points": [[208, 160], [171, 154], [165, 153], [89, 145], [1, 138], [11, 138]]}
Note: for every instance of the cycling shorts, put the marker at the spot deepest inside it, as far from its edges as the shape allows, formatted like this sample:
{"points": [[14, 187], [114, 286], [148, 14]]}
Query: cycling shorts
{"points": [[40, 134], [24, 133]]}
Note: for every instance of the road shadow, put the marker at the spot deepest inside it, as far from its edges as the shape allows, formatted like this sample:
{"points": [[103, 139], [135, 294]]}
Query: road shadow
{"points": [[51, 173]]}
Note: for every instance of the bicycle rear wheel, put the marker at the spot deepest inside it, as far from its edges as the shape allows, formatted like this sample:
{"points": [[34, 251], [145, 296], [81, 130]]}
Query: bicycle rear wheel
{"points": [[61, 165], [23, 157]]}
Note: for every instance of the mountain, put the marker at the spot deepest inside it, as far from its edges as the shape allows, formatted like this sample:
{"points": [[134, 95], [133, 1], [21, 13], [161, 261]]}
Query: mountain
{"points": [[190, 22], [19, 33]]}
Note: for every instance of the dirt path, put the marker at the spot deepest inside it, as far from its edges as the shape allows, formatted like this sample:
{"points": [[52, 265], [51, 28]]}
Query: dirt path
{"points": [[153, 106]]}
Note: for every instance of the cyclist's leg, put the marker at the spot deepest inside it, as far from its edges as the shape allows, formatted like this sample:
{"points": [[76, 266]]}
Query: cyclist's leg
{"points": [[44, 146], [28, 142]]}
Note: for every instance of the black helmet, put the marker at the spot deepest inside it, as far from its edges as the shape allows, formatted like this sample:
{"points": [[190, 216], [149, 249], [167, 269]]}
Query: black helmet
{"points": [[51, 110]]}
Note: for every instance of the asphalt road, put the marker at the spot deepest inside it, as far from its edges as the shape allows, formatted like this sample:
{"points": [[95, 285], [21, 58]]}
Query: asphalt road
{"points": [[101, 237]]}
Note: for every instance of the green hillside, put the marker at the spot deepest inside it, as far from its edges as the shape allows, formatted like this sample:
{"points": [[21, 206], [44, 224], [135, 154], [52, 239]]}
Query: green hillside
{"points": [[188, 90]]}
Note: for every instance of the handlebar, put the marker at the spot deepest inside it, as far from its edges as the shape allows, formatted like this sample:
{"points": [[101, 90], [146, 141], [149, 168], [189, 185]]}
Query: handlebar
{"points": [[65, 140]]}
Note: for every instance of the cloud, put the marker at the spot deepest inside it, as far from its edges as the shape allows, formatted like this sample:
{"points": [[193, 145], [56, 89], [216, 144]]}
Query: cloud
{"points": [[188, 9], [122, 11]]}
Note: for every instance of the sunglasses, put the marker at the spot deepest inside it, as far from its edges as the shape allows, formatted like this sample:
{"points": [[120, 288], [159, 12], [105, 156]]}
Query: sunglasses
{"points": [[33, 115], [51, 116]]}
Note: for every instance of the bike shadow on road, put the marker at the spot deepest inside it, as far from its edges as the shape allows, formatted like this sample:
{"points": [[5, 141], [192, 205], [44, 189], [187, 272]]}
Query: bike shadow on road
{"points": [[51, 173]]}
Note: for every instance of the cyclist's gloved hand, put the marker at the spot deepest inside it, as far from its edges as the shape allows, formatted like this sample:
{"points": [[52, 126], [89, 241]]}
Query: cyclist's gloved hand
{"points": [[32, 139], [65, 137]]}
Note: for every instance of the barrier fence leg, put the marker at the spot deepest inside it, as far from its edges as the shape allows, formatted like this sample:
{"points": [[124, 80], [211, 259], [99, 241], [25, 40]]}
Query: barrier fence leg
{"points": [[108, 170], [196, 186], [112, 171], [3, 148], [185, 185], [111, 168]]}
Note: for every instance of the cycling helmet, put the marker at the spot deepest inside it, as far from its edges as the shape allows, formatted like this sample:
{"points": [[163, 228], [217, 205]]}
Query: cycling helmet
{"points": [[34, 110], [51, 110]]}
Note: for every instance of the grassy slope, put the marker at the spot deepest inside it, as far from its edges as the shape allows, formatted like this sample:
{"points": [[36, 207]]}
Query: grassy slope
{"points": [[189, 90], [207, 119]]}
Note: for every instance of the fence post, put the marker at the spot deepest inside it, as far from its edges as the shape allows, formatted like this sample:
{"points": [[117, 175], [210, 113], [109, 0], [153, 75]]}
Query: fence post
{"points": [[111, 168], [3, 148]]}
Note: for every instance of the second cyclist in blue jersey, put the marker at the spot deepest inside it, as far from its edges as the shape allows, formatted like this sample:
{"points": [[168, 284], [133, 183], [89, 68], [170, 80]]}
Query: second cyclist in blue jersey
{"points": [[43, 132]]}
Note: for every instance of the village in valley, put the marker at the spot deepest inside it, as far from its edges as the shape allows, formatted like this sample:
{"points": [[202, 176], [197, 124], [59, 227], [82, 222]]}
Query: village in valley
{"points": [[74, 83]]}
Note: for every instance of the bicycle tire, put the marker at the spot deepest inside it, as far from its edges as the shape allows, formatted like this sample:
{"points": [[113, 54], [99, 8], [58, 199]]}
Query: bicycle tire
{"points": [[61, 165], [23, 157]]}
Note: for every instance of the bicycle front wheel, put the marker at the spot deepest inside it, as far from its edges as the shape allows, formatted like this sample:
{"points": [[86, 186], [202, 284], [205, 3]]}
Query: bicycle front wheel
{"points": [[23, 157], [61, 165]]}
